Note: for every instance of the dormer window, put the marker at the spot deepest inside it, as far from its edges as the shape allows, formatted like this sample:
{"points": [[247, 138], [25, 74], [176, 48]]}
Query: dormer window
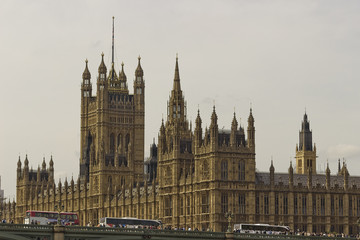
{"points": [[87, 81], [138, 79], [138, 91], [102, 76]]}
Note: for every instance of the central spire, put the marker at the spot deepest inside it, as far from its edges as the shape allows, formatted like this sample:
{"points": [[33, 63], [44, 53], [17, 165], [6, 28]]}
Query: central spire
{"points": [[176, 86]]}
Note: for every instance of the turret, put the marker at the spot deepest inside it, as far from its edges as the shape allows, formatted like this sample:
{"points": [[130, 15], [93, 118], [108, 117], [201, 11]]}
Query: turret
{"points": [[66, 185], [51, 169], [176, 104], [162, 138], [86, 86], [305, 152], [291, 176], [123, 79], [214, 129], [72, 184], [234, 126], [26, 168], [346, 177], [327, 177], [139, 87], [102, 85], [113, 81], [198, 131], [59, 186], [18, 171], [272, 174], [43, 166], [251, 131], [38, 174]]}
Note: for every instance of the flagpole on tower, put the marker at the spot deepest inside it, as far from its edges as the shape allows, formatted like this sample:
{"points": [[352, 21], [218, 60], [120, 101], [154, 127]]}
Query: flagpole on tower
{"points": [[112, 60]]}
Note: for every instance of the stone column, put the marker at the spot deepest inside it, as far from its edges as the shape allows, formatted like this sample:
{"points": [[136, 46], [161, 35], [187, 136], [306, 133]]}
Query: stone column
{"points": [[59, 232]]}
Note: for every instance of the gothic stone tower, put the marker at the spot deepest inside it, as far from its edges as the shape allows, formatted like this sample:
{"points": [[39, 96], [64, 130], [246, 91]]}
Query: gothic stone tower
{"points": [[200, 176], [112, 124], [174, 154], [305, 152]]}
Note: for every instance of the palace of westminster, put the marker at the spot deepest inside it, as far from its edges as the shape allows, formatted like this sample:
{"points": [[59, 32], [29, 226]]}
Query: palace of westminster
{"points": [[192, 177]]}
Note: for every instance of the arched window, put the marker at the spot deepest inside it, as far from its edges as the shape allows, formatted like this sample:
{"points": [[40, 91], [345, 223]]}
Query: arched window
{"points": [[168, 175], [112, 143], [110, 182], [119, 143], [224, 170], [205, 170], [241, 169], [127, 141]]}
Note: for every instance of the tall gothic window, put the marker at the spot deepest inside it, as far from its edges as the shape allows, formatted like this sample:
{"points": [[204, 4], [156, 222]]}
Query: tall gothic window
{"points": [[127, 141], [119, 140], [257, 204], [242, 203], [285, 204], [168, 206], [332, 205], [224, 170], [322, 205], [112, 143], [304, 205], [266, 204], [181, 206], [168, 176], [188, 205], [350, 207], [205, 170], [341, 206], [224, 203], [205, 203], [276, 203], [314, 204], [295, 204], [241, 169]]}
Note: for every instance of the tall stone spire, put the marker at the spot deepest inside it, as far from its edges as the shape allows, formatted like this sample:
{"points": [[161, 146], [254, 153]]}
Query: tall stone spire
{"points": [[139, 71], [305, 135], [251, 130], [176, 86], [305, 153]]}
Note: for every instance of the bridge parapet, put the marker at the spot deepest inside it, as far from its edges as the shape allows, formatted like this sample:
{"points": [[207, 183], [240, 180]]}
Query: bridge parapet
{"points": [[251, 236], [36, 232]]}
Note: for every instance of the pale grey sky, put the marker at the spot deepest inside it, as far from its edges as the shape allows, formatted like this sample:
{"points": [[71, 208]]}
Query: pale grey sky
{"points": [[281, 56]]}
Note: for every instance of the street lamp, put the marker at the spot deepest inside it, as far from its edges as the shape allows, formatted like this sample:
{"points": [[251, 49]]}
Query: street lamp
{"points": [[59, 208], [229, 216]]}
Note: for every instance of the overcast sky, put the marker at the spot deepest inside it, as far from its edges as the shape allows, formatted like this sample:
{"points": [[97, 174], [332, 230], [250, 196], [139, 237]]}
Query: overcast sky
{"points": [[281, 57]]}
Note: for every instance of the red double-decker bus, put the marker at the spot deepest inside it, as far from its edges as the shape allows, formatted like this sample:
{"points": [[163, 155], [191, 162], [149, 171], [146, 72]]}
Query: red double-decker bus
{"points": [[47, 218]]}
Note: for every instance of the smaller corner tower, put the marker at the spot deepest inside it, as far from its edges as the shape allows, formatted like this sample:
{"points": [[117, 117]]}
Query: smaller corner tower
{"points": [[305, 151]]}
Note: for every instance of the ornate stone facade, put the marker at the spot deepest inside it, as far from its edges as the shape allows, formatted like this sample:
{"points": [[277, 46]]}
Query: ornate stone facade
{"points": [[193, 177]]}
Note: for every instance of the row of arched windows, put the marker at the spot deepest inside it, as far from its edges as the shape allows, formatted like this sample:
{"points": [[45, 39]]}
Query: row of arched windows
{"points": [[120, 145], [240, 170]]}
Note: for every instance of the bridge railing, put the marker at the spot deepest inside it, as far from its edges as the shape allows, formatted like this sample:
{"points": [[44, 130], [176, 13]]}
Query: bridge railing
{"points": [[286, 237], [145, 232], [25, 228]]}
